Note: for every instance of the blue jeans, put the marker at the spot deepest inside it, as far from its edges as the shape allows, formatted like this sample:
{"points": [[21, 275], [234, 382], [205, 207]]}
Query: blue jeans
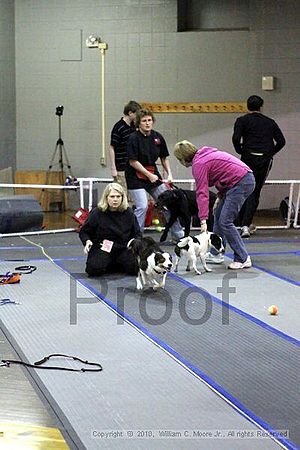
{"points": [[140, 199], [227, 212]]}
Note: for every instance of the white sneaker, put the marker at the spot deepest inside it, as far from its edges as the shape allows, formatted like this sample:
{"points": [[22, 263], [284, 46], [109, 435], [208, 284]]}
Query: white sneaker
{"points": [[214, 259], [245, 232], [235, 265]]}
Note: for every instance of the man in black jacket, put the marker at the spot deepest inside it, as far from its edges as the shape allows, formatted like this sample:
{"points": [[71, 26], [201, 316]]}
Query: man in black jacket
{"points": [[257, 138]]}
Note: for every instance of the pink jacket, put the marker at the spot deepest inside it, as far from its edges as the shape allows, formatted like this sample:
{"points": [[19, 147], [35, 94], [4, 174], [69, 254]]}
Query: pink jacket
{"points": [[212, 167]]}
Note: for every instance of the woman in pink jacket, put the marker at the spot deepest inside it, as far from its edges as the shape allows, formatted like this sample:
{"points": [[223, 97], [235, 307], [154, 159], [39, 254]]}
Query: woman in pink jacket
{"points": [[234, 182]]}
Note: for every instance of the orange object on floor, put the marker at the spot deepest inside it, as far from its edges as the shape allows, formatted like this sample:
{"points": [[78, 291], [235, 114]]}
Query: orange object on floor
{"points": [[10, 278]]}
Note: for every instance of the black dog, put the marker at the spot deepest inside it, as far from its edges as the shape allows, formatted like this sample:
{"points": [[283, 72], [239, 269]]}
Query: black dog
{"points": [[182, 204]]}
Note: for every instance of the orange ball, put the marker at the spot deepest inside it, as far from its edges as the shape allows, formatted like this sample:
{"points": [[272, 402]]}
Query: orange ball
{"points": [[273, 310]]}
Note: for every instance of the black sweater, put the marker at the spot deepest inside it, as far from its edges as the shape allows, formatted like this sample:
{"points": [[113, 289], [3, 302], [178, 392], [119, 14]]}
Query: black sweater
{"points": [[115, 226], [255, 132]]}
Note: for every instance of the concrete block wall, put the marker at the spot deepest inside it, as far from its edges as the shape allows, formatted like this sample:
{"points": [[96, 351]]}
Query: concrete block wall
{"points": [[276, 26], [7, 86], [148, 60]]}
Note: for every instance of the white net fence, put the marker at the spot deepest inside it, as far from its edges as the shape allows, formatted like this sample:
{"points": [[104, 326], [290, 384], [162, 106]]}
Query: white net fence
{"points": [[44, 208]]}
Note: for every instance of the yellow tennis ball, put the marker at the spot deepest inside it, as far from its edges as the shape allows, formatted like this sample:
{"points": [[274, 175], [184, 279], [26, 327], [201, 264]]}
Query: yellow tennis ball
{"points": [[155, 222], [273, 310], [158, 229]]}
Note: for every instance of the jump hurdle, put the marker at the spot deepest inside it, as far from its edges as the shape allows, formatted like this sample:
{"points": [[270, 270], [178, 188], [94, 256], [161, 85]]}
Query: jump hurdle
{"points": [[293, 184], [293, 195]]}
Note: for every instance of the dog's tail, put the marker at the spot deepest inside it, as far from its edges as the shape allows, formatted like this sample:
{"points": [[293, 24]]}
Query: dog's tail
{"points": [[135, 246], [130, 243], [183, 242]]}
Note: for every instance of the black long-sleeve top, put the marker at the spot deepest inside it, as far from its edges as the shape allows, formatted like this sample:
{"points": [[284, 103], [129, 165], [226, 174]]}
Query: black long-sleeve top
{"points": [[115, 226], [255, 132]]}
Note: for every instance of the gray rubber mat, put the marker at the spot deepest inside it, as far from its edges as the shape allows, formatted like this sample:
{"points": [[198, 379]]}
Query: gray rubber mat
{"points": [[281, 258], [141, 387], [240, 361], [238, 355], [285, 268]]}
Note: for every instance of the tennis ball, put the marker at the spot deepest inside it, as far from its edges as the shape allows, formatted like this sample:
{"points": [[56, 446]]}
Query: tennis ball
{"points": [[273, 310], [155, 222], [158, 229]]}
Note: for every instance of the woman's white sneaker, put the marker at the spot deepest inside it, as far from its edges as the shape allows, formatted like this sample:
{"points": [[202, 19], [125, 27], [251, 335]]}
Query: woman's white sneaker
{"points": [[245, 232], [214, 259], [235, 265]]}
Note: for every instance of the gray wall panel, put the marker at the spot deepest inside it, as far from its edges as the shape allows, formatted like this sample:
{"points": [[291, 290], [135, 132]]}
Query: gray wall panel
{"points": [[147, 60], [7, 86]]}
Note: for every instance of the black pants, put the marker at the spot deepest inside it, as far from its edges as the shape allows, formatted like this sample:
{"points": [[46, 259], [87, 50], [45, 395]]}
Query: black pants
{"points": [[261, 166], [100, 262]]}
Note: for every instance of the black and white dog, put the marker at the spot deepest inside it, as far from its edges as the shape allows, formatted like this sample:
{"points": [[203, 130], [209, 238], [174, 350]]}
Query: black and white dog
{"points": [[154, 263], [194, 247], [182, 204]]}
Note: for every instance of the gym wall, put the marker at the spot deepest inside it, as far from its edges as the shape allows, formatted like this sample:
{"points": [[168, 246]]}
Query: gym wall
{"points": [[149, 60]]}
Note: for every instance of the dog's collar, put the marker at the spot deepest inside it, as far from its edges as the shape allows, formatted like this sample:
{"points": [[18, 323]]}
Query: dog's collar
{"points": [[160, 273]]}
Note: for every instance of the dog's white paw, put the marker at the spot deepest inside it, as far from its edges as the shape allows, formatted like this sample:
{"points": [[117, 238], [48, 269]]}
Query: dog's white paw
{"points": [[207, 269], [139, 285], [198, 272], [159, 286]]}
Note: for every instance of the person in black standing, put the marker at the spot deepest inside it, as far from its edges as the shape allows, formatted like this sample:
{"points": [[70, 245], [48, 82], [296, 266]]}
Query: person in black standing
{"points": [[106, 232], [144, 147], [119, 136], [257, 138]]}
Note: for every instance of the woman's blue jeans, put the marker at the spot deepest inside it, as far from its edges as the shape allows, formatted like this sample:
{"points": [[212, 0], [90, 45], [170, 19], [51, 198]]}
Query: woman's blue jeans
{"points": [[227, 212], [140, 199]]}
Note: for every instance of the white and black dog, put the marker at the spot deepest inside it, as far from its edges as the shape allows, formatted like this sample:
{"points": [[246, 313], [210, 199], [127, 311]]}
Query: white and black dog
{"points": [[193, 247], [182, 204], [154, 263]]}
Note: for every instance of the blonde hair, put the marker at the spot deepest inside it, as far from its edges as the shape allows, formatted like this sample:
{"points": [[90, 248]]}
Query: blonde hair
{"points": [[185, 151], [103, 204]]}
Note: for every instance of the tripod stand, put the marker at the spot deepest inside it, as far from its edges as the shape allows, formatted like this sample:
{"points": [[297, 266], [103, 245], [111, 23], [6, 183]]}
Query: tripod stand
{"points": [[60, 154]]}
